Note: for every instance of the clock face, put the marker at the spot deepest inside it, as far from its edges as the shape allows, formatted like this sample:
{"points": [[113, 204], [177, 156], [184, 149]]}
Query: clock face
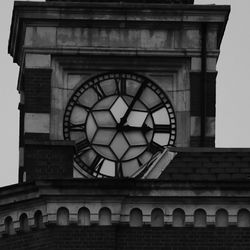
{"points": [[118, 122]]}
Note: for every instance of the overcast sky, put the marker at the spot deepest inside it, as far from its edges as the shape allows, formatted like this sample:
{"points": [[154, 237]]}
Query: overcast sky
{"points": [[233, 87]]}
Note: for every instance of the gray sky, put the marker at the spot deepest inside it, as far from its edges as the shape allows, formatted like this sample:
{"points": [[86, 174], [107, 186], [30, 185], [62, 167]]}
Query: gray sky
{"points": [[233, 87]]}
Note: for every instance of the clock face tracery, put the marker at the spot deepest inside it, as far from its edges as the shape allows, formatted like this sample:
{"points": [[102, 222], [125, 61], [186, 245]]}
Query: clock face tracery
{"points": [[118, 122]]}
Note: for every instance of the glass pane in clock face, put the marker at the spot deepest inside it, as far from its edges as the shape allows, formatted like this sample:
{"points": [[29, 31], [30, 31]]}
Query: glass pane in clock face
{"points": [[118, 122]]}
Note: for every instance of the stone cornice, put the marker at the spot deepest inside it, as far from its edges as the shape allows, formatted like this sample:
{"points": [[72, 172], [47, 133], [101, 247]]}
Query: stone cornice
{"points": [[130, 1], [123, 188], [72, 14]]}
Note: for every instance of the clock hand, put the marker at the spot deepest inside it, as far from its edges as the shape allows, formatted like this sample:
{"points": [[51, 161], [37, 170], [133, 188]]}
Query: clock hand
{"points": [[144, 129], [136, 97]]}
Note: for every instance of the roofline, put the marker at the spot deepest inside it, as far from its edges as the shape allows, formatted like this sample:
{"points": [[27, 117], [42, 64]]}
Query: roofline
{"points": [[120, 184], [210, 150], [138, 1], [120, 4]]}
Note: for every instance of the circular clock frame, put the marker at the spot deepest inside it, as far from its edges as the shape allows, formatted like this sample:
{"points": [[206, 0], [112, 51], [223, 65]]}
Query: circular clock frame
{"points": [[119, 121]]}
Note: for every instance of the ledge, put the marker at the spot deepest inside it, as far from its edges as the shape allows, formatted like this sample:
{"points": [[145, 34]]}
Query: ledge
{"points": [[118, 4], [130, 1], [211, 150], [119, 187], [49, 143]]}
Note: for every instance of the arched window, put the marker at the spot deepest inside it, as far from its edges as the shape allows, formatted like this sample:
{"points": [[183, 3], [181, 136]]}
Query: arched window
{"points": [[178, 218], [105, 217], [221, 218], [157, 218], [24, 223], [63, 216], [8, 223], [38, 217], [243, 219], [83, 217], [135, 218], [200, 218]]}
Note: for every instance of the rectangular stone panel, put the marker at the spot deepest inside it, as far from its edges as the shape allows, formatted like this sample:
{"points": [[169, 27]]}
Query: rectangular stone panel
{"points": [[212, 39], [37, 61], [191, 39], [162, 38], [115, 38], [59, 101], [183, 129], [40, 36], [36, 123]]}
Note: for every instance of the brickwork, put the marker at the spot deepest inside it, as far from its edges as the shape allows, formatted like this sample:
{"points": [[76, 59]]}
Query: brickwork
{"points": [[35, 240], [182, 238], [195, 141], [36, 136], [125, 238], [210, 166], [37, 87], [46, 160], [196, 86]]}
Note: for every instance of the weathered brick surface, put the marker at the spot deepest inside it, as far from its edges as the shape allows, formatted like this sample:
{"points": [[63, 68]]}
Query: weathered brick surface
{"points": [[126, 238], [48, 161], [37, 240], [74, 238], [195, 141], [36, 136], [37, 88], [196, 97], [210, 166]]}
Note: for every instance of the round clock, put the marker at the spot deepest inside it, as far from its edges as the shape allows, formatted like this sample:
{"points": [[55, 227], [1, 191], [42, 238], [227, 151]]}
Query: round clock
{"points": [[118, 121]]}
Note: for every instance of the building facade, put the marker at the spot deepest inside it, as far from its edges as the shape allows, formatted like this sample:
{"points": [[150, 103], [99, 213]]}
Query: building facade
{"points": [[117, 130]]}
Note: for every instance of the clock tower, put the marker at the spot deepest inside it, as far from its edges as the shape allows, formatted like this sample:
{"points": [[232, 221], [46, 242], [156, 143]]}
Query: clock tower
{"points": [[113, 83], [117, 129]]}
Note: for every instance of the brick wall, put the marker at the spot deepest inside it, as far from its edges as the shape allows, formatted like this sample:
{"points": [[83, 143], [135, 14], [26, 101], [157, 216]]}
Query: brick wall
{"points": [[208, 165], [126, 238], [196, 98], [196, 102], [37, 240], [48, 160], [37, 90]]}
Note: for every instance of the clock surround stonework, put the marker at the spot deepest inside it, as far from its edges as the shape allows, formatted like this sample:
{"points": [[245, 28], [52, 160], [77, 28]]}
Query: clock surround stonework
{"points": [[200, 200], [119, 121]]}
